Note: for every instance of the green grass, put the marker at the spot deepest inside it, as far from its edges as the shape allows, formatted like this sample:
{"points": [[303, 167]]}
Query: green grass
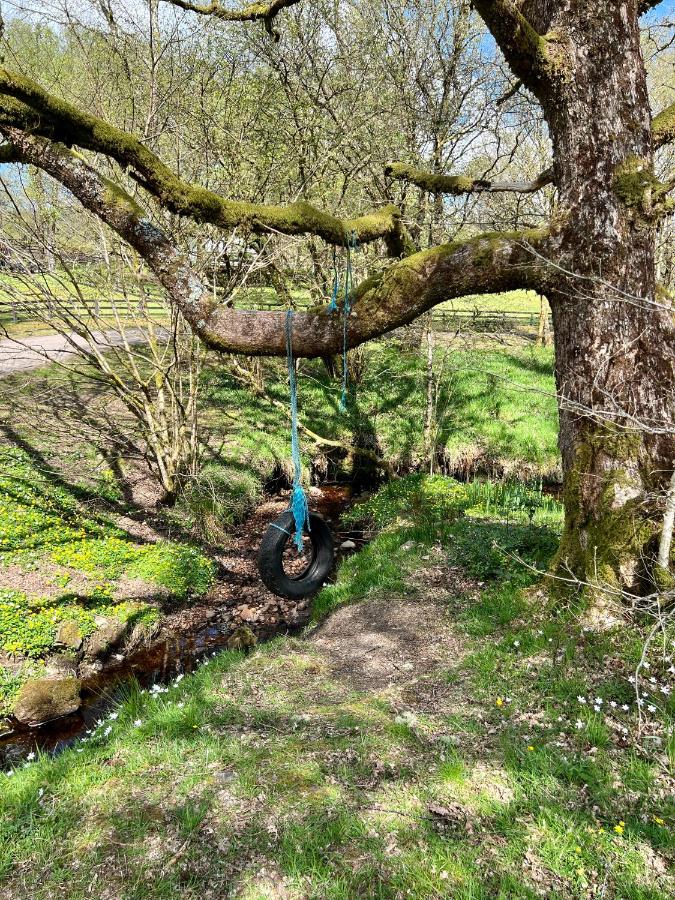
{"points": [[52, 529], [496, 411], [270, 770], [510, 301]]}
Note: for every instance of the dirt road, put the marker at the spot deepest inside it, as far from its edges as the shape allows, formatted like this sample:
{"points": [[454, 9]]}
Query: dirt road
{"points": [[25, 354]]}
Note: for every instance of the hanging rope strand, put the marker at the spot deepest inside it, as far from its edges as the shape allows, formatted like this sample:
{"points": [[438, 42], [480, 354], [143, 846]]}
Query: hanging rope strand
{"points": [[299, 505], [332, 306], [346, 309]]}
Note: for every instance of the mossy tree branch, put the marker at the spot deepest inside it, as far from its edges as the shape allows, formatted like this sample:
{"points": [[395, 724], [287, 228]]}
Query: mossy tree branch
{"points": [[532, 57], [250, 13], [663, 127], [463, 184], [409, 287], [26, 105]]}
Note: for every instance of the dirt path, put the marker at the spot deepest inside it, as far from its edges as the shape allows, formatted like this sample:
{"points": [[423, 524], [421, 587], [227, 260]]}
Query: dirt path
{"points": [[239, 596], [26, 354]]}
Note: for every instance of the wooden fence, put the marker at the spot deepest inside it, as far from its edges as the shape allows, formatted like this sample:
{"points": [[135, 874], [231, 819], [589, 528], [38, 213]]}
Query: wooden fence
{"points": [[475, 319]]}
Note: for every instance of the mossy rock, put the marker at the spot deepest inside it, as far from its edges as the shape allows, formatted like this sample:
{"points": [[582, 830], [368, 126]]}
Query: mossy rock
{"points": [[69, 635], [61, 665], [44, 699], [106, 637]]}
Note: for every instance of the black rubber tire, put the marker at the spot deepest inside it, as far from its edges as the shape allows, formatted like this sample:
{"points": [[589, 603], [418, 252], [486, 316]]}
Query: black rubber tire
{"points": [[270, 558]]}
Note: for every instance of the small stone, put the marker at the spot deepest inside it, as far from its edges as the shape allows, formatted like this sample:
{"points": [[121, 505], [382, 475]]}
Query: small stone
{"points": [[69, 635], [61, 664], [246, 614], [348, 545], [91, 669], [44, 699]]}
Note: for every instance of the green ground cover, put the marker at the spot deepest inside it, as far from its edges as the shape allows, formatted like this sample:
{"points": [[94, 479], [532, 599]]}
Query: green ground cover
{"points": [[78, 558], [519, 769]]}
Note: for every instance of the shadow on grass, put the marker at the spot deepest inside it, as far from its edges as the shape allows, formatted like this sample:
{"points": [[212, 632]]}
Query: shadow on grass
{"points": [[210, 789]]}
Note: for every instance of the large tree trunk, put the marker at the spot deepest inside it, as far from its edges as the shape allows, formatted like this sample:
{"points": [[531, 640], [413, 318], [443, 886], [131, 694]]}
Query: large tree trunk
{"points": [[615, 346]]}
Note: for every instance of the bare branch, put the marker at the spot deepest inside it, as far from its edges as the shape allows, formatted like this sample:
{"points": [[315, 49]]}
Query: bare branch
{"points": [[512, 91], [488, 263], [645, 5], [463, 184], [28, 106]]}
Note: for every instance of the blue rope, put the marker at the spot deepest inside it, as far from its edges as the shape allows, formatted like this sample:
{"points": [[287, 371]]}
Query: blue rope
{"points": [[299, 505], [332, 306], [346, 309]]}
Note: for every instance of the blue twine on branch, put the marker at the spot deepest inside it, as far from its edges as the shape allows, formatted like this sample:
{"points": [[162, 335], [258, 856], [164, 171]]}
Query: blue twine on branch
{"points": [[299, 505]]}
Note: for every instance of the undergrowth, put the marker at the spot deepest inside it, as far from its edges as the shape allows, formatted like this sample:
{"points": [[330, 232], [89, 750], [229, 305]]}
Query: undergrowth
{"points": [[77, 559]]}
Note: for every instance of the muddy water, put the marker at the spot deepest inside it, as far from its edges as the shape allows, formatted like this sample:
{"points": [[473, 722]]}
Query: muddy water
{"points": [[188, 636]]}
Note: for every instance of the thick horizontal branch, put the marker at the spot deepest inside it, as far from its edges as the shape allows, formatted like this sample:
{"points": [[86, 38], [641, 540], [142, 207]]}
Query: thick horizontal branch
{"points": [[28, 106], [533, 58], [408, 288], [250, 13], [463, 184], [663, 127]]}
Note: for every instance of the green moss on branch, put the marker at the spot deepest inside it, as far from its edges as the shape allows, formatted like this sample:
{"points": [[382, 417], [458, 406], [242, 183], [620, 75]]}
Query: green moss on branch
{"points": [[42, 113], [663, 127]]}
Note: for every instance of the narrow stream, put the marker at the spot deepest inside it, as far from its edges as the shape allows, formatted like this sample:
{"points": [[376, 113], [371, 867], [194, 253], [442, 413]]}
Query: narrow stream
{"points": [[170, 654]]}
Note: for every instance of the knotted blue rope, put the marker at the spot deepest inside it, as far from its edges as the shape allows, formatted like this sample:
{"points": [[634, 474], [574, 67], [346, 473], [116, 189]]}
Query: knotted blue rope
{"points": [[299, 505]]}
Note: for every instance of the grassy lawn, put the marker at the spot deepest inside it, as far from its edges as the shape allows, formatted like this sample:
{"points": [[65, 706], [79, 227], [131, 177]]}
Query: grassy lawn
{"points": [[511, 765]]}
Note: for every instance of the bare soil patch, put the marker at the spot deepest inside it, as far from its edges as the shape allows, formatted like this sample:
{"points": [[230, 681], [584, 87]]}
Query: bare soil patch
{"points": [[387, 643]]}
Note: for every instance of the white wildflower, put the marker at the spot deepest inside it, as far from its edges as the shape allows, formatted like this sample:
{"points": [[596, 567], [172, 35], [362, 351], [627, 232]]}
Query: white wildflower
{"points": [[30, 756], [579, 724], [137, 723], [651, 708], [581, 699]]}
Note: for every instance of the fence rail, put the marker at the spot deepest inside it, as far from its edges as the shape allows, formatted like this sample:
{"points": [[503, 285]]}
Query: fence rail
{"points": [[490, 320]]}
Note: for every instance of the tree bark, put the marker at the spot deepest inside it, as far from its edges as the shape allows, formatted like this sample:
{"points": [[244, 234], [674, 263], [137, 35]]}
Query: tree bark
{"points": [[615, 343]]}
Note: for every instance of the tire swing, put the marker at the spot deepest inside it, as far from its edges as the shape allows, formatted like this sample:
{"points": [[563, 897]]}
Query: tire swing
{"points": [[311, 535]]}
